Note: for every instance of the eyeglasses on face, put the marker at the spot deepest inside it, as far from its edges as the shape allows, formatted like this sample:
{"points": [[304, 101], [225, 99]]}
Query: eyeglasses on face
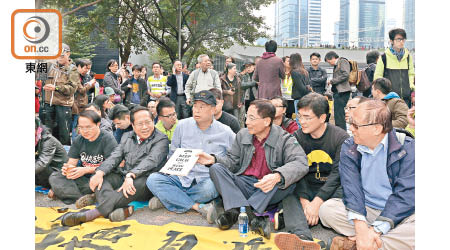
{"points": [[357, 126], [174, 114], [85, 129], [349, 108], [146, 123], [252, 118]]}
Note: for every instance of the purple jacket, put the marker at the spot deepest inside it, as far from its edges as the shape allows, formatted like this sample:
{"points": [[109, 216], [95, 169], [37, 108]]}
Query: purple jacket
{"points": [[269, 72]]}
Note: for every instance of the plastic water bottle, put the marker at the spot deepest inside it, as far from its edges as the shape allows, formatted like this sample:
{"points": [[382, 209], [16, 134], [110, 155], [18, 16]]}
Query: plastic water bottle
{"points": [[243, 223]]}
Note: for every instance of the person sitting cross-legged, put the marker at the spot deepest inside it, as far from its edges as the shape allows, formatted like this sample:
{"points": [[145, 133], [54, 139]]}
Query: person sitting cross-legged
{"points": [[258, 171], [91, 147], [144, 150], [181, 193], [377, 172], [322, 144]]}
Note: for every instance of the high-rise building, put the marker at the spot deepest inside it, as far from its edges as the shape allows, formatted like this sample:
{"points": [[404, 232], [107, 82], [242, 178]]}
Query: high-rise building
{"points": [[336, 33], [361, 23], [410, 24], [286, 22], [298, 22]]}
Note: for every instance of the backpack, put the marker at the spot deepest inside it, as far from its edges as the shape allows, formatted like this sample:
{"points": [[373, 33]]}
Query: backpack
{"points": [[194, 82], [353, 76], [363, 82]]}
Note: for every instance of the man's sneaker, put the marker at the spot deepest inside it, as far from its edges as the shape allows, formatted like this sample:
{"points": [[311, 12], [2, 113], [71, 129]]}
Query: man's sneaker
{"points": [[85, 200], [287, 241], [155, 203], [342, 243], [120, 214], [211, 211], [278, 220], [261, 226]]}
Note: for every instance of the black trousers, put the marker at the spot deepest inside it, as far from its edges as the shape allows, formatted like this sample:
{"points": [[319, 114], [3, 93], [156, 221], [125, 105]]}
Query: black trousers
{"points": [[41, 178], [69, 191], [340, 101], [238, 190], [109, 199], [181, 107], [59, 120], [294, 217]]}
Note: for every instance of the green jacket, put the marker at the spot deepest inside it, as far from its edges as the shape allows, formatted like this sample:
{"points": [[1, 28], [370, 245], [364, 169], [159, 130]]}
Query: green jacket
{"points": [[163, 130]]}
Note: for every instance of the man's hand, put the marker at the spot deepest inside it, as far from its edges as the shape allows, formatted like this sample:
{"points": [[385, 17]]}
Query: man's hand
{"points": [[67, 168], [205, 159], [329, 82], [267, 183], [312, 211], [96, 180], [127, 187], [49, 87], [75, 173], [122, 164], [188, 101], [366, 238], [411, 117]]}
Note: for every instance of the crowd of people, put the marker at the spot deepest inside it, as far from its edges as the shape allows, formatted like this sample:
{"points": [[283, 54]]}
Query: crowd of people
{"points": [[268, 139]]}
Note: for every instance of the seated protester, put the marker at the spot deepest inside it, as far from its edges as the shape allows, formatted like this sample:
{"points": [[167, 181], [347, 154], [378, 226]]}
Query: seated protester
{"points": [[135, 88], [120, 115], [104, 103], [167, 117], [151, 105], [181, 193], [105, 123], [322, 144], [280, 115], [381, 90], [249, 179], [91, 147], [224, 117], [145, 151], [109, 92], [49, 155], [351, 105], [377, 176]]}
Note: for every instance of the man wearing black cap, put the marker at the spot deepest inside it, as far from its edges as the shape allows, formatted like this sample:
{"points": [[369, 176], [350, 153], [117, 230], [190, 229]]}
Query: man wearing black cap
{"points": [[182, 193], [59, 90]]}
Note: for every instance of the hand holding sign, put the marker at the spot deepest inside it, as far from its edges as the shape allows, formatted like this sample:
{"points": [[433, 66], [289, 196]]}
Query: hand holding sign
{"points": [[205, 159], [181, 162]]}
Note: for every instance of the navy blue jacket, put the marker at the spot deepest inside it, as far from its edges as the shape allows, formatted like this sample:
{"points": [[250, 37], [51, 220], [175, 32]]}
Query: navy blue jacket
{"points": [[400, 170], [172, 82]]}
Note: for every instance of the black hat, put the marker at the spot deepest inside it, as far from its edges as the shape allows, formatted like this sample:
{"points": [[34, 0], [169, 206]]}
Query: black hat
{"points": [[116, 110], [205, 96]]}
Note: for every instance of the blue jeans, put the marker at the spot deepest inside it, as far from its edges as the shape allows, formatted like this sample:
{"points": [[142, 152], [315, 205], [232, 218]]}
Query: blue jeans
{"points": [[177, 198]]}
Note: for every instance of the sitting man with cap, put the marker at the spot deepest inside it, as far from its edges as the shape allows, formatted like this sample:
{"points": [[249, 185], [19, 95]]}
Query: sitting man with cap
{"points": [[145, 151], [110, 93], [182, 193], [259, 170]]}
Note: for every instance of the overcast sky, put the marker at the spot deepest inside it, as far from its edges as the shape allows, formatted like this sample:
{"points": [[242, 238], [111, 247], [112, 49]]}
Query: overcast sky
{"points": [[330, 15]]}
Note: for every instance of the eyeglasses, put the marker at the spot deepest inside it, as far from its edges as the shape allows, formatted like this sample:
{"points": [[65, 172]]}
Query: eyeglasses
{"points": [[307, 118], [349, 108], [170, 115], [356, 126], [141, 124], [252, 118], [399, 39], [90, 128]]}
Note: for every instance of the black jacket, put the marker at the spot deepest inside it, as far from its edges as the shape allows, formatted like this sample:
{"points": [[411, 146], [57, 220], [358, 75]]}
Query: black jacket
{"points": [[172, 82], [110, 80], [318, 79], [49, 153], [299, 82], [128, 93]]}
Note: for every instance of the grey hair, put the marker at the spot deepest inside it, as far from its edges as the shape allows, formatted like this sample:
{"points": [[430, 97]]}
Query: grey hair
{"points": [[377, 112], [200, 57]]}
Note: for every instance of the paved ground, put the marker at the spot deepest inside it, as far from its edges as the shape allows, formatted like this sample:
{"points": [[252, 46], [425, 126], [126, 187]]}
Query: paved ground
{"points": [[162, 216]]}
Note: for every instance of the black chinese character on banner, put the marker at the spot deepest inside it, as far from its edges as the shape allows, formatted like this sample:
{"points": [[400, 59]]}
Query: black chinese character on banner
{"points": [[41, 68], [30, 67], [253, 244], [190, 241]]}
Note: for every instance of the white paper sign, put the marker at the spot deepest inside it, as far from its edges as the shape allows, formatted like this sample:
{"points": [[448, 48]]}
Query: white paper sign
{"points": [[181, 162]]}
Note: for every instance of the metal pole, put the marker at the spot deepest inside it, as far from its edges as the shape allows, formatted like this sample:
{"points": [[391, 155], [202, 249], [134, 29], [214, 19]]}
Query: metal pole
{"points": [[179, 30]]}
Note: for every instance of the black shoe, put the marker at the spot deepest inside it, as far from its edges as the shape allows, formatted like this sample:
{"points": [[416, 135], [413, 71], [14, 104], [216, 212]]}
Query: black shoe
{"points": [[73, 218], [261, 226], [227, 219]]}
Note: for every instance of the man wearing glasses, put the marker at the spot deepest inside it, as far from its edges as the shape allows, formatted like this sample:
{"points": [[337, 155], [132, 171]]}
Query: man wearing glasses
{"points": [[258, 171], [196, 190], [167, 121], [351, 105], [91, 147], [397, 65], [377, 174], [145, 151]]}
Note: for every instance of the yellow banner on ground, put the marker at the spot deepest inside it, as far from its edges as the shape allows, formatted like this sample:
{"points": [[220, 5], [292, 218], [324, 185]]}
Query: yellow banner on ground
{"points": [[102, 234]]}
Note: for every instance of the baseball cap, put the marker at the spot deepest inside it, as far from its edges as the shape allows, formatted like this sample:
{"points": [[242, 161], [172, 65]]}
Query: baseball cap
{"points": [[205, 96], [109, 91], [65, 48]]}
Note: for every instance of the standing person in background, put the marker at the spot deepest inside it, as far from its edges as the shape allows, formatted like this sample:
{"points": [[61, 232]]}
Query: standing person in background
{"points": [[110, 80], [60, 87], [89, 76], [177, 82], [202, 78], [371, 59], [144, 73], [135, 88], [228, 59], [231, 90], [397, 65], [317, 75], [286, 88], [156, 84], [300, 80], [340, 86], [249, 85], [269, 72]]}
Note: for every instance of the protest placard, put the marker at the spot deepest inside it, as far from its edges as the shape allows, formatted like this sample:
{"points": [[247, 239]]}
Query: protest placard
{"points": [[181, 162]]}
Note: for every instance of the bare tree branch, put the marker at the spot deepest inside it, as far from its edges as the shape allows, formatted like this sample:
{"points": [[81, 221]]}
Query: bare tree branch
{"points": [[80, 7]]}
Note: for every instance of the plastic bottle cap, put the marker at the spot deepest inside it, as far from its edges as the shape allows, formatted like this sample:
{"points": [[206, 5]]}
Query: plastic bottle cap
{"points": [[242, 209]]}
